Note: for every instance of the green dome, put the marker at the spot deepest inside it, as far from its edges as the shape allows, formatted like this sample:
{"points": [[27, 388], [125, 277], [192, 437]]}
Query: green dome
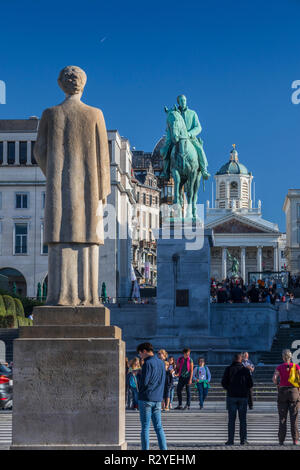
{"points": [[233, 167]]}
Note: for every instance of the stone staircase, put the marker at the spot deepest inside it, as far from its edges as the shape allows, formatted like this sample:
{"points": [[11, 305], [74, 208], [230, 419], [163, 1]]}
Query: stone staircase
{"points": [[296, 292], [263, 390], [285, 336]]}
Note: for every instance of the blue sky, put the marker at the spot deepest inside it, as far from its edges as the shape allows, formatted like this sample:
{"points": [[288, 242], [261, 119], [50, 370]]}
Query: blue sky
{"points": [[234, 60]]}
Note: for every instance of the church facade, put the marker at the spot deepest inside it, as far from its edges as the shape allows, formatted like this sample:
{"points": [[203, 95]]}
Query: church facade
{"points": [[239, 229]]}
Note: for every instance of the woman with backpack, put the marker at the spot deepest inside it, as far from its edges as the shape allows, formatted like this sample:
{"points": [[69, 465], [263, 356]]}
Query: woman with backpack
{"points": [[201, 378], [287, 379]]}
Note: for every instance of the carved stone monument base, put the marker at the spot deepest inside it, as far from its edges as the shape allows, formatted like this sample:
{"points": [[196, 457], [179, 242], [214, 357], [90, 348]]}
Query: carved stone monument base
{"points": [[183, 267], [69, 381]]}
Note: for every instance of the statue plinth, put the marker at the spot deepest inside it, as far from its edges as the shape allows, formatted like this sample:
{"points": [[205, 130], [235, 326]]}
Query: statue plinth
{"points": [[183, 267], [69, 368], [69, 382]]}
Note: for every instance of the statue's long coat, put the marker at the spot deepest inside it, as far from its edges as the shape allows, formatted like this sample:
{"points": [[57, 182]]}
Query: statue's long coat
{"points": [[72, 151]]}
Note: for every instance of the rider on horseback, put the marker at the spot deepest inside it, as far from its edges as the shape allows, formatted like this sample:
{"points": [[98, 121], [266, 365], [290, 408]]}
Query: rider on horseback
{"points": [[193, 128]]}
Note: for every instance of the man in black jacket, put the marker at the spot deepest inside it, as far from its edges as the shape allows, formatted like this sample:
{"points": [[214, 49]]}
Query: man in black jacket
{"points": [[237, 381]]}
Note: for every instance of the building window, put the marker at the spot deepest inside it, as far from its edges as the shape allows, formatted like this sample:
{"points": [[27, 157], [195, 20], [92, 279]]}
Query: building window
{"points": [[23, 153], [150, 200], [245, 190], [234, 190], [33, 160], [43, 199], [144, 199], [222, 190], [44, 247], [1, 153], [11, 153], [156, 200], [168, 191], [21, 201], [138, 196], [150, 220], [144, 219], [21, 232]]}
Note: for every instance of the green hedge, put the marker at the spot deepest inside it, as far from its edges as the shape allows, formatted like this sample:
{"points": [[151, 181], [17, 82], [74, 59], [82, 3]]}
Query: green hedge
{"points": [[11, 309], [7, 321], [2, 307], [22, 321], [22, 309]]}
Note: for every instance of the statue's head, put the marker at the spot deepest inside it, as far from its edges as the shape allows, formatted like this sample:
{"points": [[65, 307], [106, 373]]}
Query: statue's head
{"points": [[72, 80], [181, 100]]}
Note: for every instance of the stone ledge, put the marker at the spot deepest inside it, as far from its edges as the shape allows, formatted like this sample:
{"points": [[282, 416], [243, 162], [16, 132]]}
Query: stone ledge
{"points": [[122, 446], [70, 331], [68, 315]]}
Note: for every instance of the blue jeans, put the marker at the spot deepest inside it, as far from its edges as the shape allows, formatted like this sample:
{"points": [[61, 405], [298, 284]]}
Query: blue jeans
{"points": [[202, 392], [235, 405], [151, 410], [172, 394], [184, 382], [135, 395]]}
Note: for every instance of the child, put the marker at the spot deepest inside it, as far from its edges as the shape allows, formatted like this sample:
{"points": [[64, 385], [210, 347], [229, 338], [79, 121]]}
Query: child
{"points": [[134, 369], [202, 377], [172, 367]]}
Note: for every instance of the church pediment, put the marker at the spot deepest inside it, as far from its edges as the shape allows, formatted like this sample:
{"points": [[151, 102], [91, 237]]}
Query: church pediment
{"points": [[236, 226]]}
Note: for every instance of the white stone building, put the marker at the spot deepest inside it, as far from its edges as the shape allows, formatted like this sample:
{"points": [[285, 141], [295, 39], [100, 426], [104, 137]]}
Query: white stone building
{"points": [[291, 208], [239, 227], [147, 195], [23, 256]]}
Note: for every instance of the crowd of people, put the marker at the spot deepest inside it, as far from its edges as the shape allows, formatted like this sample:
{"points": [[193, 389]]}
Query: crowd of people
{"points": [[295, 281], [179, 374], [235, 291], [151, 379]]}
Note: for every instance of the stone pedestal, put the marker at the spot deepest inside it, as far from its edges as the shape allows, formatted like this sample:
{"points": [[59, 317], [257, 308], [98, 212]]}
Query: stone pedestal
{"points": [[183, 302], [69, 381]]}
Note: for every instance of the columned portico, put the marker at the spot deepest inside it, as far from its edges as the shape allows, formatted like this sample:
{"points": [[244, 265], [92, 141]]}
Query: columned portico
{"points": [[224, 262], [276, 267], [256, 243], [243, 263], [259, 258]]}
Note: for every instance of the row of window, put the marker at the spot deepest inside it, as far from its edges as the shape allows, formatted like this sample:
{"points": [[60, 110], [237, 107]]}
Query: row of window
{"points": [[20, 239], [11, 153], [143, 200], [233, 190], [22, 200], [152, 218]]}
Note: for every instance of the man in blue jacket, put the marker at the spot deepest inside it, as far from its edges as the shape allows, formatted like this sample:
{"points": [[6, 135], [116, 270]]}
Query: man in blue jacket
{"points": [[151, 392]]}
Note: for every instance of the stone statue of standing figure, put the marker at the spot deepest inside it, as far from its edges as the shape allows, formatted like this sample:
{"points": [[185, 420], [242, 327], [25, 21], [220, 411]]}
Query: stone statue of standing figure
{"points": [[235, 265], [72, 151]]}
